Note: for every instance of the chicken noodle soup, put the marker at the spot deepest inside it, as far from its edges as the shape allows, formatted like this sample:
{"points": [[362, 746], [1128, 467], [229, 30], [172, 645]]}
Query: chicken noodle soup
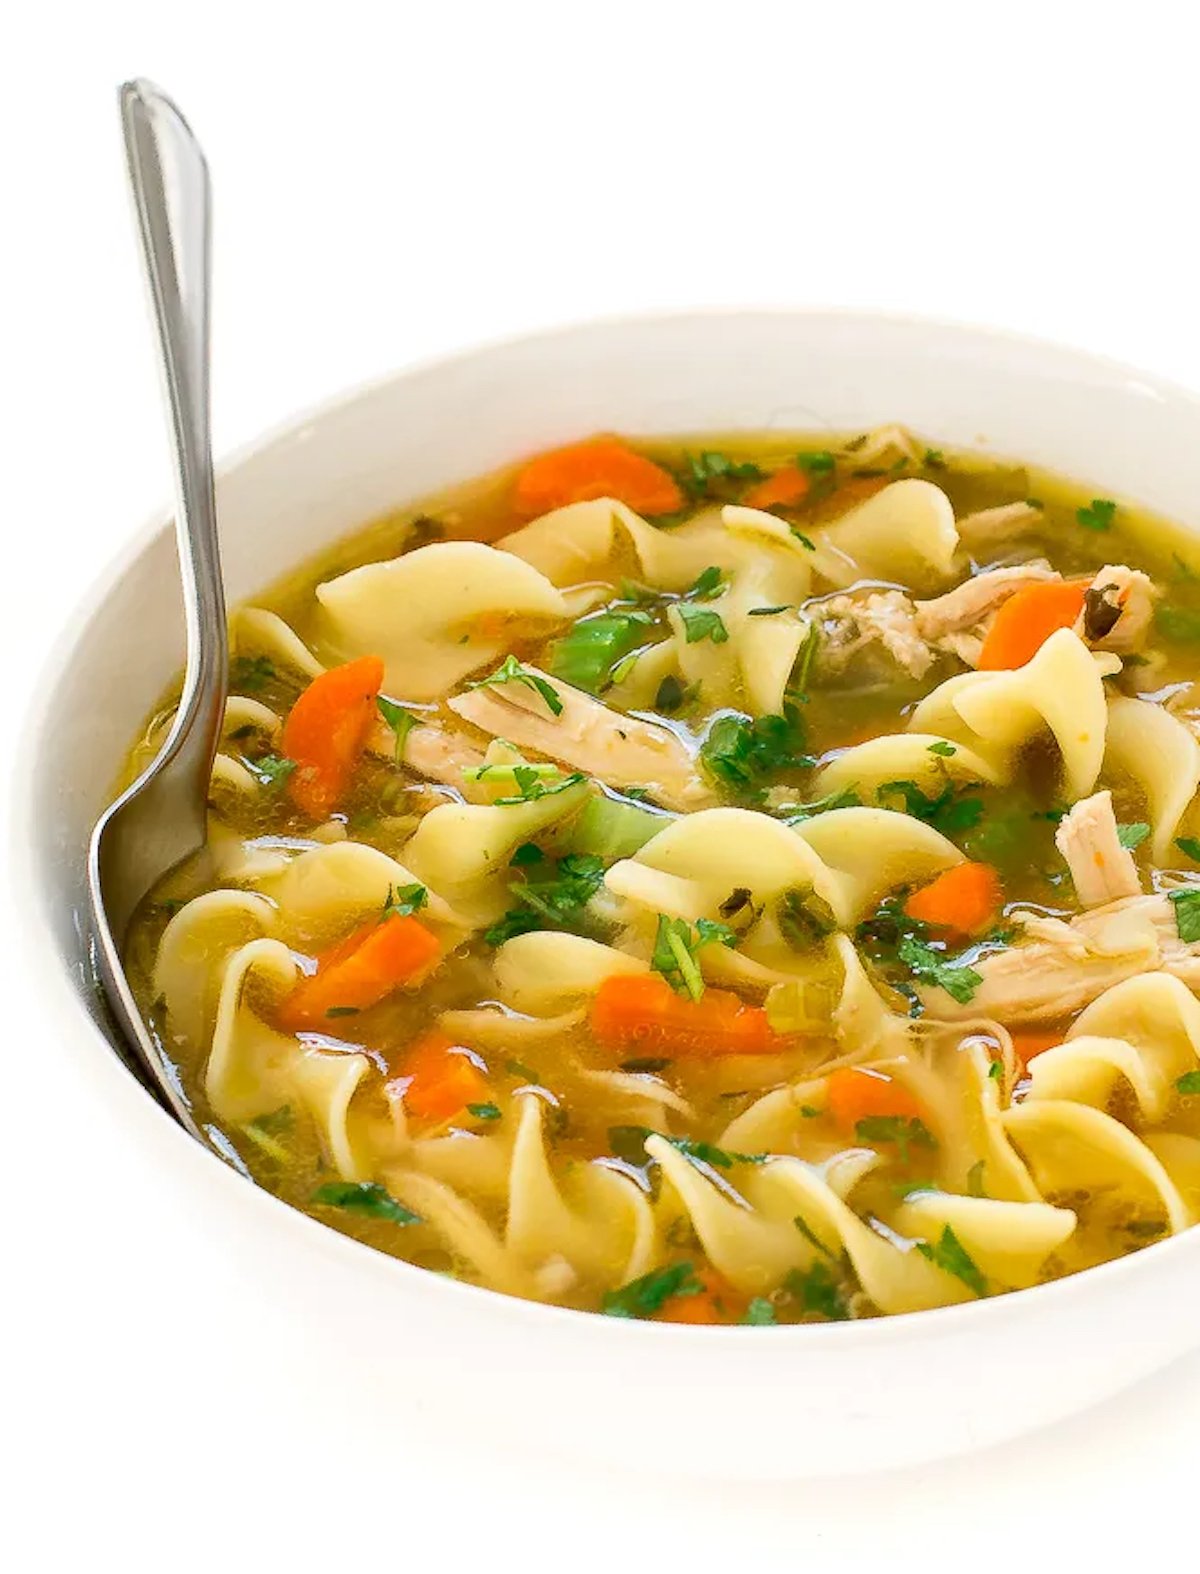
{"points": [[733, 882]]}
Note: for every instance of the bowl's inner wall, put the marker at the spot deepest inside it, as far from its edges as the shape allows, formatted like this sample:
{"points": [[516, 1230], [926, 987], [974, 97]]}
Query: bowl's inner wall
{"points": [[426, 429]]}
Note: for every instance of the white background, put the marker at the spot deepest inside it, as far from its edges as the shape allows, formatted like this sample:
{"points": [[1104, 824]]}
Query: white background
{"points": [[392, 182]]}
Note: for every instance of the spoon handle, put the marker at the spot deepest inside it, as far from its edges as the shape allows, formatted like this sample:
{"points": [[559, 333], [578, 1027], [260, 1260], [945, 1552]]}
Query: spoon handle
{"points": [[169, 178]]}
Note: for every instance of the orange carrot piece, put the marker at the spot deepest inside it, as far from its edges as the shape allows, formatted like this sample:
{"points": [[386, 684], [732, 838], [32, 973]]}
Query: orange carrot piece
{"points": [[782, 490], [964, 900], [599, 467], [440, 1078], [856, 1093], [644, 1011], [717, 1302], [326, 732], [1026, 621], [1028, 1045], [359, 972]]}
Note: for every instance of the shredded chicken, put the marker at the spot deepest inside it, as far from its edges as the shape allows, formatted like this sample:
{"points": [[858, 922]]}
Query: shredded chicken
{"points": [[1102, 870], [1118, 609], [885, 618], [992, 527], [589, 737], [968, 604], [1062, 966], [430, 751]]}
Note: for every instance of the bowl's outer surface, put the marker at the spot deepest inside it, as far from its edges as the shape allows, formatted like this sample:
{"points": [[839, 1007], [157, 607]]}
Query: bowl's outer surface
{"points": [[773, 1402]]}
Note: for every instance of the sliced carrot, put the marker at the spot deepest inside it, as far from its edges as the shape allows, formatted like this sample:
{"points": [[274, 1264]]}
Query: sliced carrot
{"points": [[963, 900], [645, 1011], [326, 731], [440, 1078], [599, 467], [359, 972], [1026, 621], [782, 490], [855, 1093], [717, 1302], [1028, 1045]]}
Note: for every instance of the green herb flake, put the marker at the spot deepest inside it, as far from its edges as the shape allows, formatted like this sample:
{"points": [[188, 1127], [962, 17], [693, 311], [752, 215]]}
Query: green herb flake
{"points": [[272, 770], [951, 1256], [819, 462], [760, 1313], [531, 785], [934, 459], [402, 901], [1134, 835], [518, 1068], [250, 674], [484, 1111], [671, 695], [815, 1290], [342, 1011], [1188, 1084], [589, 656], [552, 895], [958, 980], [510, 670], [810, 1111], [946, 812], [1187, 913], [766, 612], [805, 541], [796, 813], [906, 1131], [528, 853], [364, 1197], [400, 720], [645, 1296], [1180, 623], [943, 749], [804, 918], [708, 584], [739, 754], [645, 1065], [996, 1070], [701, 623], [812, 1237], [1097, 515]]}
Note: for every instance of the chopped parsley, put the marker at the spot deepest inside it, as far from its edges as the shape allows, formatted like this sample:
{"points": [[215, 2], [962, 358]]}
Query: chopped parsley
{"points": [[484, 1111], [402, 901], [510, 670], [1189, 845], [675, 947], [552, 895], [811, 1236], [819, 462], [401, 722], [804, 918], [1134, 835], [1187, 913], [946, 812], [711, 474], [531, 785], [265, 1130], [760, 1313], [518, 1068], [671, 695], [795, 813], [700, 623], [645, 1296], [272, 770], [739, 754], [1180, 623], [528, 853], [767, 612], [708, 584], [816, 1290], [943, 749], [951, 1256], [906, 1131], [342, 1011], [958, 980], [367, 1198], [934, 459], [805, 541], [1097, 515], [1188, 1083], [250, 674]]}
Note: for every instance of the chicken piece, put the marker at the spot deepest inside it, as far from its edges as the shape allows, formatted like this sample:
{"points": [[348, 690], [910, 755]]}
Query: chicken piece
{"points": [[588, 737], [1062, 967], [1118, 609], [885, 617], [968, 604], [429, 751], [1102, 870], [992, 527]]}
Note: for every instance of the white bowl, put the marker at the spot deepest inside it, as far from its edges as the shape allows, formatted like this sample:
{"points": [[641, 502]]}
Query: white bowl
{"points": [[732, 1401]]}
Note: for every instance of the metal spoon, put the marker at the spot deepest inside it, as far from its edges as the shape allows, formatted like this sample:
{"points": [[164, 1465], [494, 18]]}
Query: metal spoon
{"points": [[161, 820]]}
